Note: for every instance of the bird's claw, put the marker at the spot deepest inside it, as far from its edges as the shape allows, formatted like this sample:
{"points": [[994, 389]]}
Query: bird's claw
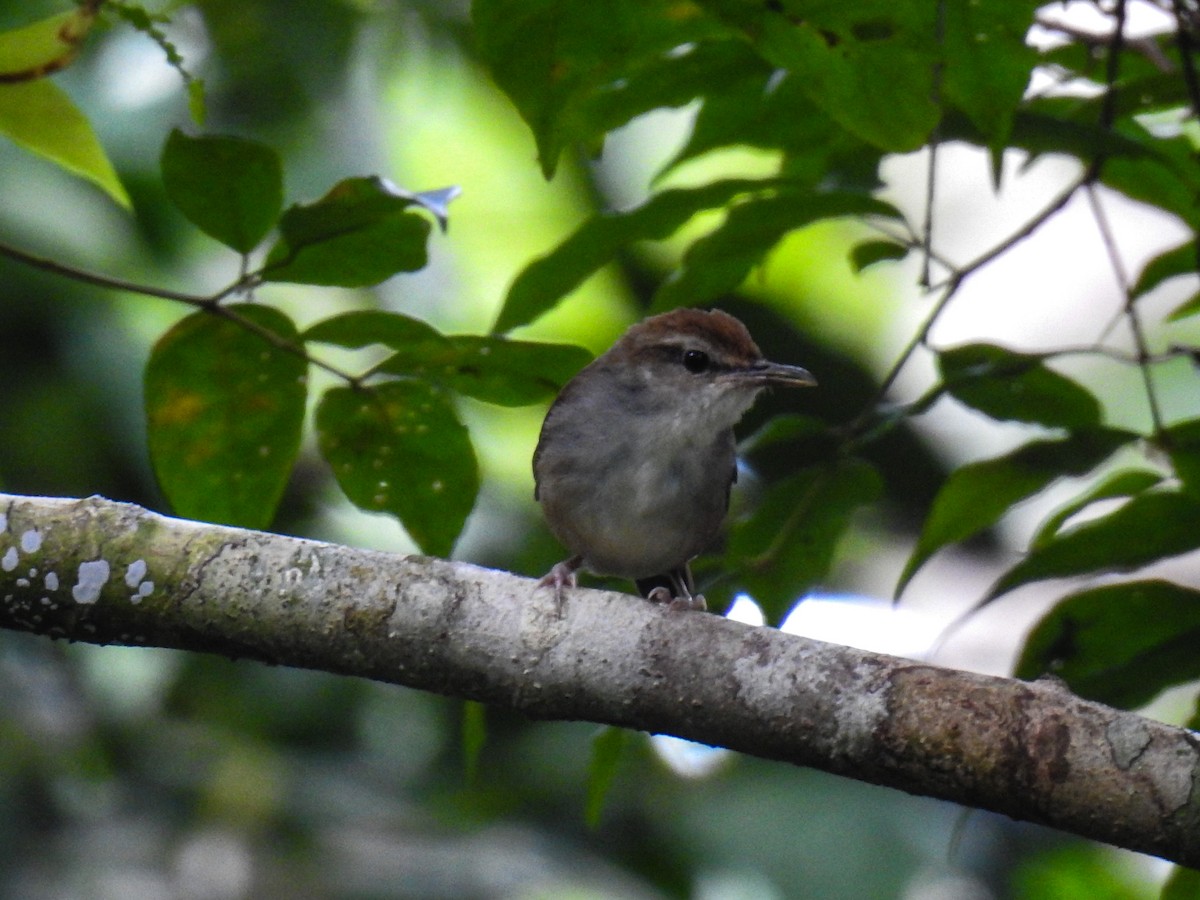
{"points": [[663, 595]]}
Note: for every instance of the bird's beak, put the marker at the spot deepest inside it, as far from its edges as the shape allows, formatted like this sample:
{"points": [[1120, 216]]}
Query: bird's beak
{"points": [[769, 373]]}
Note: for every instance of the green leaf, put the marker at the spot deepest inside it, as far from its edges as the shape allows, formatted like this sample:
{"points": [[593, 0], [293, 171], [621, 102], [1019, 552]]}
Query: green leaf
{"points": [[45, 46], [493, 369], [474, 737], [229, 188], [1017, 387], [545, 281], [1182, 443], [1181, 260], [1125, 483], [786, 547], [977, 495], [399, 448], [868, 253], [781, 429], [224, 410], [1185, 310], [1121, 644], [1182, 884], [753, 103], [197, 101], [1150, 527], [363, 328], [718, 263], [359, 234], [868, 65], [607, 748], [554, 59], [1166, 177], [988, 62], [38, 116]]}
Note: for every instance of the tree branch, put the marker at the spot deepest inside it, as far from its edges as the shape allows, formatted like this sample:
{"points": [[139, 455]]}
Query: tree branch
{"points": [[104, 572]]}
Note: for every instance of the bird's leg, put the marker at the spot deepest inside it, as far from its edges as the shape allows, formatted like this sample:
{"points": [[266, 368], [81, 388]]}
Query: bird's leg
{"points": [[562, 575]]}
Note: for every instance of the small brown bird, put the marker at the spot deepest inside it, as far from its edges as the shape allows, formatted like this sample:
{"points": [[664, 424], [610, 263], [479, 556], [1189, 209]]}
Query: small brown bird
{"points": [[636, 456]]}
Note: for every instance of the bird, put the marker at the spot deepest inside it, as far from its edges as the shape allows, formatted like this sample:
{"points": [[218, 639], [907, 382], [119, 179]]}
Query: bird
{"points": [[636, 457]]}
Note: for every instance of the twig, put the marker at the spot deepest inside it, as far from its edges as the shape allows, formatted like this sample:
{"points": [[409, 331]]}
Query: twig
{"points": [[951, 286], [1130, 310], [210, 304]]}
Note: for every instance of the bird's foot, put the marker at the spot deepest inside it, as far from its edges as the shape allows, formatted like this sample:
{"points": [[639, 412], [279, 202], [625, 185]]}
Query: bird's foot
{"points": [[695, 603], [563, 575], [663, 595]]}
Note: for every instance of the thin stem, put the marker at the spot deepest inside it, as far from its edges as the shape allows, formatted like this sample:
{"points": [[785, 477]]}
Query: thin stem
{"points": [[1183, 40], [952, 284], [1112, 71], [1130, 311], [934, 144], [210, 304]]}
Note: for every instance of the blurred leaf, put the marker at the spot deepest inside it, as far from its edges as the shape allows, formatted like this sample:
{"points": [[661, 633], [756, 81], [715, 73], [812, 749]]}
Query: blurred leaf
{"points": [[1125, 483], [359, 234], [868, 65], [399, 448], [1182, 443], [554, 59], [38, 116], [868, 253], [782, 428], [1016, 387], [1077, 871], [988, 62], [1122, 644], [229, 188], [474, 736], [224, 410], [546, 281], [757, 104], [1181, 260], [197, 101], [669, 79], [493, 369], [1150, 527], [607, 747], [1166, 177], [1185, 310], [977, 495], [40, 48], [719, 262], [787, 545], [1182, 884]]}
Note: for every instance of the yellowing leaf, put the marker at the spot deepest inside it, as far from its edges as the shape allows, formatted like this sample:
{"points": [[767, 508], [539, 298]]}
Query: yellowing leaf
{"points": [[40, 117], [45, 46]]}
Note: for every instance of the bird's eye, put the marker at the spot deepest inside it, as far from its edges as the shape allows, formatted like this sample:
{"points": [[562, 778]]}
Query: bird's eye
{"points": [[695, 361]]}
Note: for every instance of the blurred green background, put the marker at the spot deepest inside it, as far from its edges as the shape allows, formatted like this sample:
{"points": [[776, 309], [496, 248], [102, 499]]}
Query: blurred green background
{"points": [[134, 773]]}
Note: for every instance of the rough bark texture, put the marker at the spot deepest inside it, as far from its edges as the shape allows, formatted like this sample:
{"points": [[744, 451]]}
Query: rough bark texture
{"points": [[103, 572]]}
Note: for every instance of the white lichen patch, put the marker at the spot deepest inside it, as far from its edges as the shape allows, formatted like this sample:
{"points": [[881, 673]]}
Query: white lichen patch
{"points": [[3, 522], [135, 573], [31, 541], [9, 560], [93, 575], [134, 578], [51, 581]]}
